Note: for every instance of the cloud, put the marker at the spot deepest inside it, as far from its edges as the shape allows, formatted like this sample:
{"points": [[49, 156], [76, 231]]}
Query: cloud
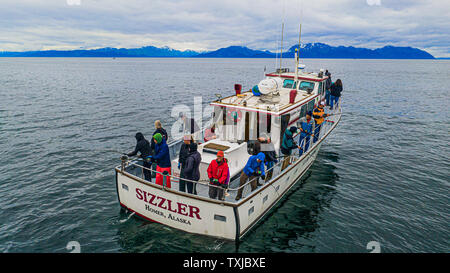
{"points": [[208, 25]]}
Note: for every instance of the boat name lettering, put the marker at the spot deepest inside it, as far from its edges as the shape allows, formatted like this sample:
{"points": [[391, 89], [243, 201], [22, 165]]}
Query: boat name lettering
{"points": [[167, 204]]}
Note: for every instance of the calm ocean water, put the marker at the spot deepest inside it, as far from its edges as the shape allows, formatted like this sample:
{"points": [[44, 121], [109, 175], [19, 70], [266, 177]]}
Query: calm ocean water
{"points": [[383, 174]]}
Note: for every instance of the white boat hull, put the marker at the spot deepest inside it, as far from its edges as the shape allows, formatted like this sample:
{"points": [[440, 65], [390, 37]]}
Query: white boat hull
{"points": [[200, 215]]}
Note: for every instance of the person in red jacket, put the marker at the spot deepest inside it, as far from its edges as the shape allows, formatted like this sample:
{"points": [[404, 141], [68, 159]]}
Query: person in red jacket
{"points": [[218, 176]]}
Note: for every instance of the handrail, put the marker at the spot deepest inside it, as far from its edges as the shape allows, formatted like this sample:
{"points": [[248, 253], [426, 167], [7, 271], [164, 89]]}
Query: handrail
{"points": [[293, 156]]}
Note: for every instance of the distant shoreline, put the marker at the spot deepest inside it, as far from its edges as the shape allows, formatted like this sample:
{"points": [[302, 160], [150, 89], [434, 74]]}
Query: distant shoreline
{"points": [[307, 51], [199, 58]]}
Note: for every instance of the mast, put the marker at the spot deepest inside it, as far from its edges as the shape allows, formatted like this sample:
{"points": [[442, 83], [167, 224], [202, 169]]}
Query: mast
{"points": [[281, 52], [297, 54]]}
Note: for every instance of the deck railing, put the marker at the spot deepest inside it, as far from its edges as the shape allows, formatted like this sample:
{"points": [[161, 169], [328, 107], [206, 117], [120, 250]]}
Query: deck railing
{"points": [[202, 187]]}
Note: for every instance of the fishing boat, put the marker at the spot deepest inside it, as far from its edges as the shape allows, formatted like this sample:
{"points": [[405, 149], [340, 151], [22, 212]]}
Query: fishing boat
{"points": [[283, 98]]}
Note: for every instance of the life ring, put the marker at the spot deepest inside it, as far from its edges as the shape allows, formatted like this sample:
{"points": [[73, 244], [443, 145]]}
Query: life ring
{"points": [[234, 114]]}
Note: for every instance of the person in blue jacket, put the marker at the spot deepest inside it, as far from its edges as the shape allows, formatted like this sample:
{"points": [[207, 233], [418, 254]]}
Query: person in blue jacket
{"points": [[307, 126], [253, 169], [162, 159]]}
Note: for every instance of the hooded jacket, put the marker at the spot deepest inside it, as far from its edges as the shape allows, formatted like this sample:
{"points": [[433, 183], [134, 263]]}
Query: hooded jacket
{"points": [[218, 171], [191, 169], [162, 155], [184, 154], [252, 164], [288, 142], [163, 133], [142, 146], [336, 90]]}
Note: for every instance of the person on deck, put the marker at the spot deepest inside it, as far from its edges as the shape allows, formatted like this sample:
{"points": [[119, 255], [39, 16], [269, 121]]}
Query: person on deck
{"points": [[319, 117], [218, 174], [287, 145], [143, 147], [306, 125], [268, 149], [191, 171], [183, 155], [336, 90], [161, 130], [252, 170], [162, 159], [327, 87]]}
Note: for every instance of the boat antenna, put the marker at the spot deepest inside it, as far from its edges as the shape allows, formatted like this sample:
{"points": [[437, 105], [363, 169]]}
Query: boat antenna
{"points": [[281, 50], [299, 40], [282, 31], [297, 51]]}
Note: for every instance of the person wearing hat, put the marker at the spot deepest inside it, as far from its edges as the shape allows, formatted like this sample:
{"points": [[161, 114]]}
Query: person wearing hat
{"points": [[162, 159], [252, 170], [191, 170], [287, 145], [143, 147], [218, 174], [319, 117], [183, 155], [307, 126]]}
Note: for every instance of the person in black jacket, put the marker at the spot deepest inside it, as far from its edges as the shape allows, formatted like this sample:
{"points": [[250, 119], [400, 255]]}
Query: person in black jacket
{"points": [[162, 131], [183, 155], [328, 87], [143, 147], [336, 89], [191, 171]]}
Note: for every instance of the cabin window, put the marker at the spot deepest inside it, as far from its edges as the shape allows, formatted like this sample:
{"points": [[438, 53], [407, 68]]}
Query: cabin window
{"points": [[310, 105], [306, 85], [264, 123], [321, 88], [303, 111], [284, 124], [220, 217], [247, 126], [251, 210], [288, 83]]}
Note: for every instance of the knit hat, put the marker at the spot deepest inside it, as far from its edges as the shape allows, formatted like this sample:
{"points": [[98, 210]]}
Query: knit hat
{"points": [[158, 137], [220, 153], [309, 113]]}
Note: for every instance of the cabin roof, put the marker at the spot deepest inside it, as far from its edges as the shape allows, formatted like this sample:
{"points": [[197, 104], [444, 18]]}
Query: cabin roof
{"points": [[271, 104]]}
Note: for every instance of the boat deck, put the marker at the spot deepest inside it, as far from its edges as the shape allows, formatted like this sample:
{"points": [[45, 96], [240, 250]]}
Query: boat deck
{"points": [[135, 167]]}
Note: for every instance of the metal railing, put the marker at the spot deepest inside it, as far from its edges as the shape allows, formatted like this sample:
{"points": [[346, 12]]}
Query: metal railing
{"points": [[203, 187]]}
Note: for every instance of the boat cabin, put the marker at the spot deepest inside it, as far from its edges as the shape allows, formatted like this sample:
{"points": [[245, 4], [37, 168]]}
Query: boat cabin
{"points": [[242, 118]]}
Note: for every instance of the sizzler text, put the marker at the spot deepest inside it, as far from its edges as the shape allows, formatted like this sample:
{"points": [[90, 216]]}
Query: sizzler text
{"points": [[161, 202]]}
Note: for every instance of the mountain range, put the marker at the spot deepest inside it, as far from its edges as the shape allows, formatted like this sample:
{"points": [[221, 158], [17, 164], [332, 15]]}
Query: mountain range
{"points": [[309, 50]]}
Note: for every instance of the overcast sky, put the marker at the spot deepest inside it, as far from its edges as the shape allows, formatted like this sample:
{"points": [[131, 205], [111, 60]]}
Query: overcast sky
{"points": [[208, 24]]}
